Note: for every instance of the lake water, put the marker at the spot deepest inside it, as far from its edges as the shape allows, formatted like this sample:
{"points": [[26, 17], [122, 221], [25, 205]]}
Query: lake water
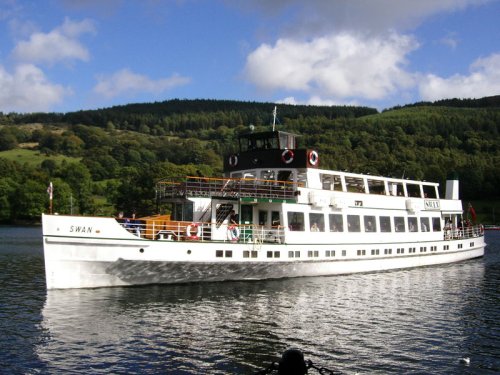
{"points": [[417, 321]]}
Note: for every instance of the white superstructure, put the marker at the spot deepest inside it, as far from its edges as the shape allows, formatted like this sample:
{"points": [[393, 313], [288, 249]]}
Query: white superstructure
{"points": [[274, 214]]}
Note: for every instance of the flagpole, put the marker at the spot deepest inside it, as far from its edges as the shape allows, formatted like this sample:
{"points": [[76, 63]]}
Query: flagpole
{"points": [[50, 190]]}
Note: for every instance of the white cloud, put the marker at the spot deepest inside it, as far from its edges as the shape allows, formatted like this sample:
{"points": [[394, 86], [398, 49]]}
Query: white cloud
{"points": [[57, 45], [28, 90], [483, 80], [129, 83], [317, 17], [337, 66]]}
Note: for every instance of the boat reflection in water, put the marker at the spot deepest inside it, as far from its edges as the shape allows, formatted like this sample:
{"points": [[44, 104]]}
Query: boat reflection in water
{"points": [[419, 320]]}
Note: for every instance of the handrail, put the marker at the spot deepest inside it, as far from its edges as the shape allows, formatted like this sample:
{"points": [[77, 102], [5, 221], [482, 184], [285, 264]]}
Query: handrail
{"points": [[226, 187], [190, 231], [461, 233]]}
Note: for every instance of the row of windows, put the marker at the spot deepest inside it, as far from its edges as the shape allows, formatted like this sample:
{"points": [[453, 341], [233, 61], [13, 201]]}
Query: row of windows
{"points": [[330, 253], [361, 184], [320, 222]]}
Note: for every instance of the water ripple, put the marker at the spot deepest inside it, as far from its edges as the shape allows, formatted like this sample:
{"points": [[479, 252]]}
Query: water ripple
{"points": [[416, 321]]}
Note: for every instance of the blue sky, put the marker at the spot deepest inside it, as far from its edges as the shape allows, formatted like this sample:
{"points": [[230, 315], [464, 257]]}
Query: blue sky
{"points": [[67, 55]]}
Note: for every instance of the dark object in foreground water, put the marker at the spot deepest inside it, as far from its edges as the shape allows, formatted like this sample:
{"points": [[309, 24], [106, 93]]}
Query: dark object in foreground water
{"points": [[292, 363]]}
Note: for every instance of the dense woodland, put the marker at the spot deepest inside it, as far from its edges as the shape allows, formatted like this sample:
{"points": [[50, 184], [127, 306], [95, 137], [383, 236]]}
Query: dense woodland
{"points": [[108, 160]]}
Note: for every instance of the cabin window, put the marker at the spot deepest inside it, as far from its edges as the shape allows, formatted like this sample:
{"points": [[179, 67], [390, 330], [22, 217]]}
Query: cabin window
{"points": [[336, 223], [344, 253], [267, 175], [236, 175], [370, 224], [275, 219], [183, 211], [436, 224], [355, 184], [353, 223], [262, 217], [302, 178], [317, 222], [413, 190], [385, 224], [327, 181], [396, 189], [376, 187], [399, 224], [430, 191], [286, 141], [331, 182], [424, 224], [312, 253], [285, 176], [412, 224], [296, 221], [246, 214]]}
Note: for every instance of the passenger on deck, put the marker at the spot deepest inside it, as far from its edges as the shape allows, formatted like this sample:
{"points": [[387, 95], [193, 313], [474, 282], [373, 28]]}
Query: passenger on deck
{"points": [[314, 228], [233, 218]]}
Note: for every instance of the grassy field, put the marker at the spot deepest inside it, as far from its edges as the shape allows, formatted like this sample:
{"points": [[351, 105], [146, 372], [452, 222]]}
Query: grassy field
{"points": [[33, 157]]}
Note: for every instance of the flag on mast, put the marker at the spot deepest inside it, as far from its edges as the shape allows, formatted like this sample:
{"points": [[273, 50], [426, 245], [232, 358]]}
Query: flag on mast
{"points": [[472, 213]]}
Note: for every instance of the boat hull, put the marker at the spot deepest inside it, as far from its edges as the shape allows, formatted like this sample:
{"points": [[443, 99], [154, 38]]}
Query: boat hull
{"points": [[106, 257]]}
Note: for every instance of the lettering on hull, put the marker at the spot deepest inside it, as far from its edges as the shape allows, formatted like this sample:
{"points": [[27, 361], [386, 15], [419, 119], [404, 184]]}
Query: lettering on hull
{"points": [[80, 229]]}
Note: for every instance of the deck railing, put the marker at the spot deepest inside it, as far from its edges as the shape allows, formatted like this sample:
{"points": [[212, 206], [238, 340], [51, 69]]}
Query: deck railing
{"points": [[226, 188], [461, 233], [188, 231]]}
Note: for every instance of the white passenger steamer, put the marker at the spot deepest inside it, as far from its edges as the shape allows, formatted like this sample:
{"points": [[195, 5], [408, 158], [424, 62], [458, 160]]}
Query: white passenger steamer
{"points": [[292, 219]]}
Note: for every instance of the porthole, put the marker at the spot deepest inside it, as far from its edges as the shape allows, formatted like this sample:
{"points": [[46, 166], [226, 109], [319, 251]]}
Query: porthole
{"points": [[141, 251]]}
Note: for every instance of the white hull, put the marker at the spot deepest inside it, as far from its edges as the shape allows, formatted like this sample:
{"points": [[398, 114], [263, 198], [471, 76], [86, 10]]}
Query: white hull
{"points": [[103, 254]]}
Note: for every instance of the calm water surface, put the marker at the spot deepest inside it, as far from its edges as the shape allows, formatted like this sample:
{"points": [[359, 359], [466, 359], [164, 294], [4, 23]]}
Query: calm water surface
{"points": [[418, 321]]}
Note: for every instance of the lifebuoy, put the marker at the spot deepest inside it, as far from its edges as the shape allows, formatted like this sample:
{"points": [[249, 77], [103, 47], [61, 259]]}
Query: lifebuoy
{"points": [[233, 233], [313, 157], [193, 231], [287, 156], [233, 160]]}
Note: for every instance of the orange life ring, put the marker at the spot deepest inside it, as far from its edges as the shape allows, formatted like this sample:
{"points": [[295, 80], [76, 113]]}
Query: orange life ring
{"points": [[287, 156], [193, 231], [313, 158]]}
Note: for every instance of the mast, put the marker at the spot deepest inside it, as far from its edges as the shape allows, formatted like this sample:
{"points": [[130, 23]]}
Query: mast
{"points": [[274, 117]]}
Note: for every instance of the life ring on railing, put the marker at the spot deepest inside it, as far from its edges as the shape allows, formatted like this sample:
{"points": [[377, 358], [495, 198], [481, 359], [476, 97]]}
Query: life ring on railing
{"points": [[193, 231], [287, 156], [233, 160], [313, 157], [233, 233]]}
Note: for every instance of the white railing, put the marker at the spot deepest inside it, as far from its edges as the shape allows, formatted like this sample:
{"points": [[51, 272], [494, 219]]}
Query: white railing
{"points": [[192, 231], [461, 233]]}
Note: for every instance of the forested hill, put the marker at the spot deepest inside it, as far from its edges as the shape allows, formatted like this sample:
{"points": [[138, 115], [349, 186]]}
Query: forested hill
{"points": [[105, 161], [487, 102], [195, 113]]}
